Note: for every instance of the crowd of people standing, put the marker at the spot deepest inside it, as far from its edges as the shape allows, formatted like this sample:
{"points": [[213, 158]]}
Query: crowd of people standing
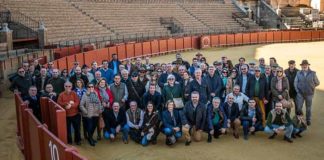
{"points": [[141, 100]]}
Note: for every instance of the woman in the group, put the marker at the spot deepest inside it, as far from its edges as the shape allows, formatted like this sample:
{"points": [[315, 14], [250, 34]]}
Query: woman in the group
{"points": [[172, 90], [224, 78], [151, 123], [80, 90], [231, 81], [171, 123], [91, 108], [153, 80], [215, 119], [65, 74], [280, 87], [106, 98], [49, 92]]}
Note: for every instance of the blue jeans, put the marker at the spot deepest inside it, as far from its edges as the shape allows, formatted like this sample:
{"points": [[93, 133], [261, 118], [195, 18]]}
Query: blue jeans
{"points": [[288, 130], [308, 99], [169, 132], [247, 124], [296, 130], [124, 130]]}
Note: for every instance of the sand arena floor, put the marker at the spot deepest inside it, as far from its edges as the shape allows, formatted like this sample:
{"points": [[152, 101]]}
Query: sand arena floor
{"points": [[226, 148]]}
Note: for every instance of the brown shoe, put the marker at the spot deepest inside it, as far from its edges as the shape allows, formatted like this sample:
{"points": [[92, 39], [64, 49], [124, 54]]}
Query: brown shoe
{"points": [[236, 136], [125, 141]]}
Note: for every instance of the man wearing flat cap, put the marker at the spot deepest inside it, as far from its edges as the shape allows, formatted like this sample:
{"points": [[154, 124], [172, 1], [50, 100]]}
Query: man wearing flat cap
{"points": [[305, 83], [291, 73]]}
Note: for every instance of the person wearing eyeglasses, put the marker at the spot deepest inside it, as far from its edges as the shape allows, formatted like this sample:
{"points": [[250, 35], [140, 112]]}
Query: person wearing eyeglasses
{"points": [[243, 78], [215, 119], [164, 76], [70, 101], [49, 93], [305, 83], [251, 118], [199, 84], [214, 82], [21, 83], [172, 90], [262, 65], [257, 89], [91, 107]]}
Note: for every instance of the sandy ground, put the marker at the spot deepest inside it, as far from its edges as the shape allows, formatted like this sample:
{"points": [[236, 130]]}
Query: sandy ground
{"points": [[226, 148]]}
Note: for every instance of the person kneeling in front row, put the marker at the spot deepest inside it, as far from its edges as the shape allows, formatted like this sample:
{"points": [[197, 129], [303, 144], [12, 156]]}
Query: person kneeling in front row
{"points": [[251, 118], [116, 122], [278, 121], [172, 123]]}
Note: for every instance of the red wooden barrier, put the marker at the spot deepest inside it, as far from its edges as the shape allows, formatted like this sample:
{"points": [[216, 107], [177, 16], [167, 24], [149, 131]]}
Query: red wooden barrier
{"points": [[80, 58], [171, 44], [277, 36], [147, 48], [187, 43], [262, 37], [305, 35], [130, 50], [138, 50], [195, 42], [20, 107], [222, 40], [179, 44], [246, 38], [254, 38], [238, 38], [269, 37], [322, 35], [70, 62], [89, 57], [112, 50], [62, 63], [121, 51], [163, 46], [214, 40], [34, 136], [155, 47], [285, 36], [230, 39], [295, 36], [315, 35], [45, 111], [58, 120]]}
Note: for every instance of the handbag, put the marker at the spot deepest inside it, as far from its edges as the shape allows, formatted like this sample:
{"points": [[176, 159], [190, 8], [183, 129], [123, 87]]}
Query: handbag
{"points": [[178, 102]]}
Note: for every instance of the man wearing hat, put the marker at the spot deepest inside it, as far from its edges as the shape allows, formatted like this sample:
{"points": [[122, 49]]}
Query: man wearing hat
{"points": [[219, 67], [135, 89], [199, 56], [180, 61], [290, 73], [305, 83]]}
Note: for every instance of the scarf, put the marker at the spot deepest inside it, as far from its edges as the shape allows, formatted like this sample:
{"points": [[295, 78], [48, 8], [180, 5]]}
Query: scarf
{"points": [[93, 97], [104, 95], [279, 84]]}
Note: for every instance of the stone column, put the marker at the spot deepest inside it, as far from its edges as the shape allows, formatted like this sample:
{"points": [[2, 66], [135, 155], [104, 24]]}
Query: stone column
{"points": [[6, 36], [42, 35]]}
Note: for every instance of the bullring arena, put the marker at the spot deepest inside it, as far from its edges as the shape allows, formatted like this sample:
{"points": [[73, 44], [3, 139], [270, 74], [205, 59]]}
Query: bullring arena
{"points": [[22, 136]]}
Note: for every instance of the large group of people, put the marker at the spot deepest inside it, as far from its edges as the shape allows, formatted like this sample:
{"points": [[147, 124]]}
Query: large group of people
{"points": [[141, 100]]}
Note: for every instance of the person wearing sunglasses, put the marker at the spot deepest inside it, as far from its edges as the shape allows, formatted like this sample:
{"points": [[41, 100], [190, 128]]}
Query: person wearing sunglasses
{"points": [[91, 107], [243, 78], [280, 87], [21, 82], [257, 89], [70, 101]]}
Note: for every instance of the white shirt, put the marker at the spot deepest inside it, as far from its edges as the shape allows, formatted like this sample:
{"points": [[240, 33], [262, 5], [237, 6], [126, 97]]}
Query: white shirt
{"points": [[239, 99]]}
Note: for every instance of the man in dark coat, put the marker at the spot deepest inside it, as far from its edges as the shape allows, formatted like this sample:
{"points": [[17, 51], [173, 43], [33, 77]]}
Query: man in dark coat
{"points": [[163, 78], [291, 73], [135, 90], [214, 83], [251, 118], [193, 118], [198, 84], [231, 115], [57, 82], [41, 80], [155, 97], [21, 82], [78, 75], [33, 102], [243, 78], [115, 122], [257, 89]]}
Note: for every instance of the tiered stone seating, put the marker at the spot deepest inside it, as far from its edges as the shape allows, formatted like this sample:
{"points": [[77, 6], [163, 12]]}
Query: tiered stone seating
{"points": [[214, 15], [64, 22]]}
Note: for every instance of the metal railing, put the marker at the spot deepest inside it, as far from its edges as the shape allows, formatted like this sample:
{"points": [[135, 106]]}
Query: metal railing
{"points": [[239, 17]]}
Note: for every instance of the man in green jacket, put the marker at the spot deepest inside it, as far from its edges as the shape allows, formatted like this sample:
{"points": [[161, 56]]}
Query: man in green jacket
{"points": [[279, 121]]}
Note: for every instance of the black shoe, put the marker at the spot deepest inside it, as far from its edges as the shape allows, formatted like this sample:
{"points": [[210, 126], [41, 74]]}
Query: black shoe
{"points": [[209, 140], [288, 139], [187, 143], [236, 136], [293, 136], [308, 123], [216, 136], [167, 142], [246, 137], [90, 140], [298, 135], [78, 143], [98, 138], [154, 141], [273, 136], [253, 133]]}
